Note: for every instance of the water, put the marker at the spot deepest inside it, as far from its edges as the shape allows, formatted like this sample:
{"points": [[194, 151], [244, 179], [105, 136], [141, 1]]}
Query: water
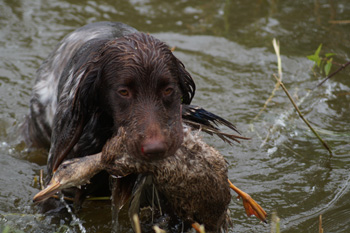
{"points": [[227, 47], [75, 220]]}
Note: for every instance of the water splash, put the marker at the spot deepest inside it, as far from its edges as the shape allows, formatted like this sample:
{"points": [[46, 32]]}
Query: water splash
{"points": [[76, 221], [282, 119]]}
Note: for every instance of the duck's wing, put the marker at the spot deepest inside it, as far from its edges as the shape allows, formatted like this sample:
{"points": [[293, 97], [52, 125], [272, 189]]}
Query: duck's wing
{"points": [[199, 118], [138, 197]]}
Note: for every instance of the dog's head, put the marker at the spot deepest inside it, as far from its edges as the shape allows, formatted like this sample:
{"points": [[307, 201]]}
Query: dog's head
{"points": [[140, 84]]}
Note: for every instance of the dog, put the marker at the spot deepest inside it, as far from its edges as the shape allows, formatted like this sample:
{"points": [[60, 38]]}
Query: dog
{"points": [[108, 75]]}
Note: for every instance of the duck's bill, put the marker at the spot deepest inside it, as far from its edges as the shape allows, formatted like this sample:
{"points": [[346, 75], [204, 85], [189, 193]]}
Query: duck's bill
{"points": [[48, 192]]}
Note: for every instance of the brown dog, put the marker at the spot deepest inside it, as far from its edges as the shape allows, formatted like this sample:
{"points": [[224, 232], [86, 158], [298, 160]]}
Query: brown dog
{"points": [[106, 75]]}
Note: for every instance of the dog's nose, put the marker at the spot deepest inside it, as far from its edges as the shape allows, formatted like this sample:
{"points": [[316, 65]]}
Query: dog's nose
{"points": [[154, 148]]}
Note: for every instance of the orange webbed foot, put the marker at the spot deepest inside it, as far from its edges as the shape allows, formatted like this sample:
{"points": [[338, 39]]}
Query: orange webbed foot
{"points": [[251, 207], [199, 228]]}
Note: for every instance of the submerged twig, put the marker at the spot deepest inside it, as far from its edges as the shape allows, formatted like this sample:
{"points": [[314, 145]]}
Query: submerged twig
{"points": [[302, 117]]}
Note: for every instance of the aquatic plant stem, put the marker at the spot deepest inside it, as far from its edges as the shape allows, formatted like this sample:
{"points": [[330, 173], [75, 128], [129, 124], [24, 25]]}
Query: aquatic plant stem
{"points": [[157, 229], [320, 228], [276, 46], [267, 101], [343, 66], [302, 117], [275, 223], [42, 186], [136, 221]]}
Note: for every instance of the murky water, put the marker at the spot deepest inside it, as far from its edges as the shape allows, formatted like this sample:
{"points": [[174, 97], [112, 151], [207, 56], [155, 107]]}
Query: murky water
{"points": [[226, 46]]}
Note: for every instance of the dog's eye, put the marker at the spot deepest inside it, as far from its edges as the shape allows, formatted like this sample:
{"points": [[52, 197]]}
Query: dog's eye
{"points": [[168, 91], [123, 92]]}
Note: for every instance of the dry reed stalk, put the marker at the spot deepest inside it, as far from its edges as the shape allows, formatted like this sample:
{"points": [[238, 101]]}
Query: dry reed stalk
{"points": [[320, 229], [275, 223], [136, 220], [158, 230], [276, 46]]}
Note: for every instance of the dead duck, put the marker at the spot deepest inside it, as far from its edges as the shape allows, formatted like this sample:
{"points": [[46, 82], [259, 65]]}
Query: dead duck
{"points": [[194, 180]]}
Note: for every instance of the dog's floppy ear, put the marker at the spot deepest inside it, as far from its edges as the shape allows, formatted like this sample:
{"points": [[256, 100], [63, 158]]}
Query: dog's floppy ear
{"points": [[73, 114], [187, 85], [85, 99]]}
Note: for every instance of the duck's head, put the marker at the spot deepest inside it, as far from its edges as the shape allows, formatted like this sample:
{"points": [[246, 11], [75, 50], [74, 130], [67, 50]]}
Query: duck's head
{"points": [[71, 173]]}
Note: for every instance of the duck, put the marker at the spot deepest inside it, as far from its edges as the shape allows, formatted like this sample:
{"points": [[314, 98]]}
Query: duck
{"points": [[193, 181]]}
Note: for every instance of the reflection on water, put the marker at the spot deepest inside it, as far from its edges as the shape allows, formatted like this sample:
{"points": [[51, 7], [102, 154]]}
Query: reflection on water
{"points": [[227, 48]]}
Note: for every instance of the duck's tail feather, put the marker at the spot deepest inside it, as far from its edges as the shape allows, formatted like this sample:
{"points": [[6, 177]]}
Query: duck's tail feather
{"points": [[199, 118]]}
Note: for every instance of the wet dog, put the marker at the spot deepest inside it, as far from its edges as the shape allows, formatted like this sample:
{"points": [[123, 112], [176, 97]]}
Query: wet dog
{"points": [[108, 75]]}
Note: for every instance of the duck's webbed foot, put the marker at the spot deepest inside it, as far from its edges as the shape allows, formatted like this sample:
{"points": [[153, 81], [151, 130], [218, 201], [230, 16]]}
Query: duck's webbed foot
{"points": [[199, 228], [251, 207]]}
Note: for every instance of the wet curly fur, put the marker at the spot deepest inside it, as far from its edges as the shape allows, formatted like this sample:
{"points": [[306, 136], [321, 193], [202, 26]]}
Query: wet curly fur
{"points": [[103, 76]]}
